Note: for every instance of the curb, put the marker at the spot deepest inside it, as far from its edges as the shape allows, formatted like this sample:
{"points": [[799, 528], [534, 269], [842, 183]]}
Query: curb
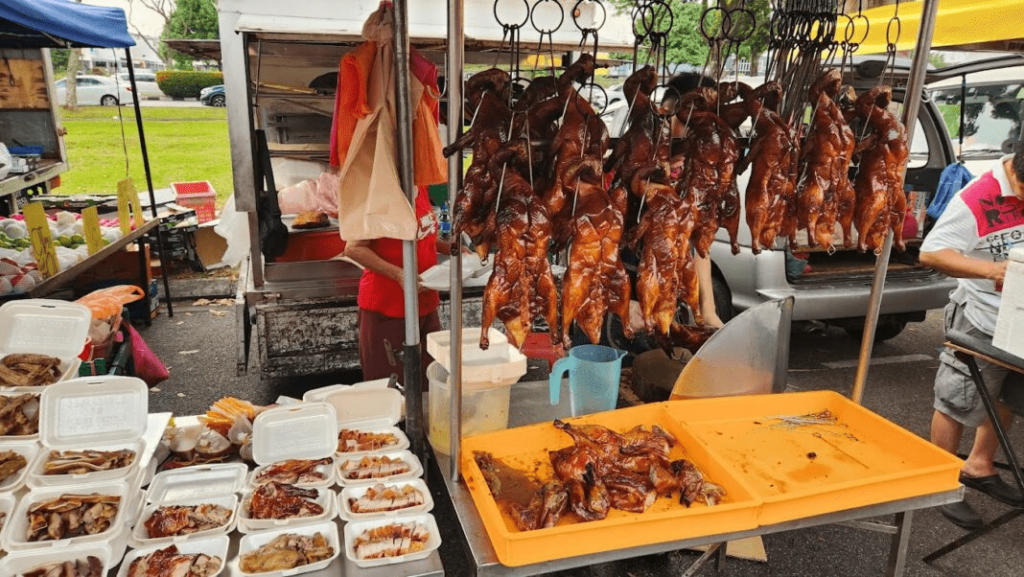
{"points": [[188, 289]]}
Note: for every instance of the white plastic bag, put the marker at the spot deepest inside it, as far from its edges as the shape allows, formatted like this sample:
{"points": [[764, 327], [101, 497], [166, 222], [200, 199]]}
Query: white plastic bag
{"points": [[5, 161], [234, 227]]}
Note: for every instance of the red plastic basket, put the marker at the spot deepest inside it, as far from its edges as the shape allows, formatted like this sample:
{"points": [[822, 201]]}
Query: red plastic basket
{"points": [[198, 195]]}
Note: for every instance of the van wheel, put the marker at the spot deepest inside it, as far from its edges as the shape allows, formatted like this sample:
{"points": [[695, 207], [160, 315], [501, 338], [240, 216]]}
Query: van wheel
{"points": [[723, 299], [886, 329], [108, 100]]}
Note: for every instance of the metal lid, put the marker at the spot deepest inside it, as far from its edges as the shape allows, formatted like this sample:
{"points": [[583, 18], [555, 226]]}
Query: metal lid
{"points": [[197, 482], [93, 411], [44, 327], [306, 431], [364, 407]]}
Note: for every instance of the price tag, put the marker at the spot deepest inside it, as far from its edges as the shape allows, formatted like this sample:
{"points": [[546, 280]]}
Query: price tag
{"points": [[42, 242], [91, 229], [125, 194]]}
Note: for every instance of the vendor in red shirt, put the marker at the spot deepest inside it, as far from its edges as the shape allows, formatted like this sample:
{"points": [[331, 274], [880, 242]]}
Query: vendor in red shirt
{"points": [[381, 300]]}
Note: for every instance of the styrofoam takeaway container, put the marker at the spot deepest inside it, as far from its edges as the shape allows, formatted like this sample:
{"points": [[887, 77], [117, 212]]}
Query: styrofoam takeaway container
{"points": [[415, 468], [140, 535], [7, 503], [16, 564], [500, 365], [355, 492], [369, 410], [213, 546], [1009, 334], [104, 413], [308, 431], [28, 450], [31, 410], [45, 327], [16, 533], [354, 530], [325, 469], [254, 541], [326, 498]]}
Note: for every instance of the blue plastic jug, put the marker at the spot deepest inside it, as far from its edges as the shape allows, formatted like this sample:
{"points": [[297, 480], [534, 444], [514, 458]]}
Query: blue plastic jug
{"points": [[593, 378]]}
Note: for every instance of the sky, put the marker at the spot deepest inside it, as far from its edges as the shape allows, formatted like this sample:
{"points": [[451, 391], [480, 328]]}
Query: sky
{"points": [[148, 21]]}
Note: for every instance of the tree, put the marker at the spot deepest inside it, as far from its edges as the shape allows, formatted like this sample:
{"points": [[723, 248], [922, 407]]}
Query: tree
{"points": [[163, 8], [71, 96], [190, 19], [59, 58]]}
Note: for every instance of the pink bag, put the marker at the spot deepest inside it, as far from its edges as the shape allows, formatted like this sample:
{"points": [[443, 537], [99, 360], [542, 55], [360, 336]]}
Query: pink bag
{"points": [[148, 366]]}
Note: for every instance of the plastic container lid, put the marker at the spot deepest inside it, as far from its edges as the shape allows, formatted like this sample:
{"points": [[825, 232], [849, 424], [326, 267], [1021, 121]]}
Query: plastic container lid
{"points": [[307, 431], [93, 411], [366, 408], [44, 327], [499, 366], [197, 482]]}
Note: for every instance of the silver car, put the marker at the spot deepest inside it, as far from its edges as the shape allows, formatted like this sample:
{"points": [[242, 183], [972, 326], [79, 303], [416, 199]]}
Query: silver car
{"points": [[90, 91]]}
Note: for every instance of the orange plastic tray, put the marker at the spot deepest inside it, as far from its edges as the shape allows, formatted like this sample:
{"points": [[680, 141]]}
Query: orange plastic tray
{"points": [[806, 470], [526, 449]]}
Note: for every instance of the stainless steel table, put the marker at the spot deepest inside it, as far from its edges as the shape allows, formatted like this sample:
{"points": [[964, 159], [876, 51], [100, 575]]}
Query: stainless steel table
{"points": [[529, 404]]}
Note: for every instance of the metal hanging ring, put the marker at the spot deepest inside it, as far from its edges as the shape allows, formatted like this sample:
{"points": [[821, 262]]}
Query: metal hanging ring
{"points": [[533, 17], [576, 9], [867, 28], [704, 23], [889, 30], [590, 86], [651, 9], [733, 26], [510, 25]]}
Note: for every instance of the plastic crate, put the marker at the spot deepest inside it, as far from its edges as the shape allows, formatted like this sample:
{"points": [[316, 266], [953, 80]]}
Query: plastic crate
{"points": [[198, 195]]}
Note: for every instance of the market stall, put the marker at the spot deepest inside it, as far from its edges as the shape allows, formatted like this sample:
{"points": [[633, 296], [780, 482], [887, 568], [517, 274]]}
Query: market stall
{"points": [[52, 24]]}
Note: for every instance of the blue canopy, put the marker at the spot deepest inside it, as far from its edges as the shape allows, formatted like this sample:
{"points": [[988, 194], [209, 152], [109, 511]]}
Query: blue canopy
{"points": [[62, 24]]}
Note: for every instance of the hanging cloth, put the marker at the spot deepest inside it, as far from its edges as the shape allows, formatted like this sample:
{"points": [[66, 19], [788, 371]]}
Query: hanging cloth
{"points": [[953, 178], [371, 202]]}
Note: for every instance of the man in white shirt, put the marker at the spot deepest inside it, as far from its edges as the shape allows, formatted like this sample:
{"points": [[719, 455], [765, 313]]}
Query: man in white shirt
{"points": [[971, 241]]}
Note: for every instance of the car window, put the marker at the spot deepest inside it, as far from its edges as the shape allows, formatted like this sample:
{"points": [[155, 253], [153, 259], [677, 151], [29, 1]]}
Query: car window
{"points": [[62, 83], [86, 82], [992, 116]]}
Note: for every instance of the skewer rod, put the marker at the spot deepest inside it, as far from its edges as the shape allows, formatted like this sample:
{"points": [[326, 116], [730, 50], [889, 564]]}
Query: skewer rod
{"points": [[453, 85]]}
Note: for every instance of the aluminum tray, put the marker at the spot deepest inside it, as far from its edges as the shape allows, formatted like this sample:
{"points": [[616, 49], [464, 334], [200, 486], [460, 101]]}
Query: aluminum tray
{"points": [[819, 466], [526, 448]]}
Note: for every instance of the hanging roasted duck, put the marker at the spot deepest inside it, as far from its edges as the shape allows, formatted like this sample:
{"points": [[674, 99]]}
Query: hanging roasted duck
{"points": [[881, 202], [825, 195], [708, 176], [770, 200]]}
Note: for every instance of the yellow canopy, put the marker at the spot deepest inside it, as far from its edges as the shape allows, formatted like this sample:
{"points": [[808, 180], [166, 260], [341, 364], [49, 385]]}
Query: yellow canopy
{"points": [[995, 25]]}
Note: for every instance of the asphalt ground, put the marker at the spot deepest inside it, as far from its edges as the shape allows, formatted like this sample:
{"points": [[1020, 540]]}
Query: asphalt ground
{"points": [[200, 349]]}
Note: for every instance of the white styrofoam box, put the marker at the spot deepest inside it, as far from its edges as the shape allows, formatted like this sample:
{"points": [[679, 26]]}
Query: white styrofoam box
{"points": [[21, 562], [16, 536], [212, 546], [499, 366], [366, 407], [30, 451], [105, 413], [45, 327], [31, 410], [192, 483], [305, 431], [415, 468], [355, 529], [253, 541], [325, 498], [320, 394], [7, 503], [353, 493], [402, 441], [1009, 334], [326, 469], [140, 536]]}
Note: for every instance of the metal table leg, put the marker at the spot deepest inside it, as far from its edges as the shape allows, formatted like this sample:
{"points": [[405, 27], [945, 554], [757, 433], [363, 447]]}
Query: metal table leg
{"points": [[715, 551], [900, 542], [144, 278], [968, 537], [993, 414]]}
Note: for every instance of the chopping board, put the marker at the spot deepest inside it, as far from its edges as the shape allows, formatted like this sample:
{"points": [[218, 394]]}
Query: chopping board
{"points": [[23, 84]]}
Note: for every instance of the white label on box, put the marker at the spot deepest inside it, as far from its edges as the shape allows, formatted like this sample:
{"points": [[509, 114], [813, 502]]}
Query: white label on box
{"points": [[93, 415], [43, 333]]}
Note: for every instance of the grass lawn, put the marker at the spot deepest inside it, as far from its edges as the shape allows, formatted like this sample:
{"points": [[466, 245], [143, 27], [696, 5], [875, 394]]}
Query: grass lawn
{"points": [[183, 144]]}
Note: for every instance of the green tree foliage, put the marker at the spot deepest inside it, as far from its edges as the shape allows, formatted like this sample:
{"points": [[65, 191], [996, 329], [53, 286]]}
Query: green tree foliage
{"points": [[59, 59], [937, 60], [186, 84], [190, 19]]}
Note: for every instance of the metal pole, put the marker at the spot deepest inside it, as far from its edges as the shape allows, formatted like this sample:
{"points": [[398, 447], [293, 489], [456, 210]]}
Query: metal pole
{"points": [[149, 180], [911, 106], [453, 86], [410, 278]]}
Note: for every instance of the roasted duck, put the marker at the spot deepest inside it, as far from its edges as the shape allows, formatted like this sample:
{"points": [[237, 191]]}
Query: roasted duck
{"points": [[71, 515], [824, 192], [770, 199], [286, 552], [881, 202], [24, 370], [294, 471], [279, 501], [88, 567], [355, 441], [10, 464], [19, 415], [708, 178], [79, 462], [170, 562], [176, 520], [380, 498]]}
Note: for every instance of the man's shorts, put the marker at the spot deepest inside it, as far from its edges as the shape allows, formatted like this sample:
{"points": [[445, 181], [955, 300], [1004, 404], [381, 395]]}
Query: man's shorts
{"points": [[956, 395]]}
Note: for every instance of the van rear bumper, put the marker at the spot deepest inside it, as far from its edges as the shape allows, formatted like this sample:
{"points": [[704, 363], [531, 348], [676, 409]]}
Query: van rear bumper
{"points": [[842, 300]]}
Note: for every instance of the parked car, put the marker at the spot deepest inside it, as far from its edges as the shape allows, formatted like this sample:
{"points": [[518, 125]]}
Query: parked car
{"points": [[212, 95], [90, 91], [145, 81]]}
